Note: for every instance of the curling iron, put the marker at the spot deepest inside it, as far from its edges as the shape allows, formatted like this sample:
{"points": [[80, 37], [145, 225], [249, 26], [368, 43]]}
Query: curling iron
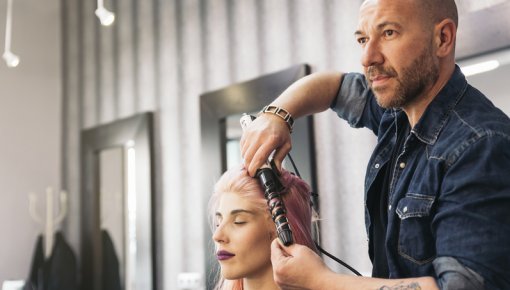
{"points": [[272, 189]]}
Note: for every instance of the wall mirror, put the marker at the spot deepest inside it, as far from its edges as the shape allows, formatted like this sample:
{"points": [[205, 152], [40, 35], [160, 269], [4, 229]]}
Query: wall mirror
{"points": [[220, 111], [117, 240]]}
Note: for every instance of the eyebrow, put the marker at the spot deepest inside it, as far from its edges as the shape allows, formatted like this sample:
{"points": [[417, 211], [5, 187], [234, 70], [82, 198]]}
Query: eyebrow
{"points": [[238, 211], [380, 27]]}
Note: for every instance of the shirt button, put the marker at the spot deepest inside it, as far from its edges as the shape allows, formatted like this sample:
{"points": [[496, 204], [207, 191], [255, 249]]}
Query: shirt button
{"points": [[389, 207], [377, 165], [405, 209], [402, 165]]}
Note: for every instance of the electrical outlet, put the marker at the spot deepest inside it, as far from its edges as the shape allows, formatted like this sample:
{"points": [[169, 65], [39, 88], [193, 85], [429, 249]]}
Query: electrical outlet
{"points": [[189, 281]]}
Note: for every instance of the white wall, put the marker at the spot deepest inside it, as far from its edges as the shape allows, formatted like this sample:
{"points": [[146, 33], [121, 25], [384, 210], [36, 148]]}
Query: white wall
{"points": [[30, 100]]}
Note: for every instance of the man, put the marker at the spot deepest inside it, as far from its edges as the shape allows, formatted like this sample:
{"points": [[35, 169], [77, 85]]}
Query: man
{"points": [[438, 183]]}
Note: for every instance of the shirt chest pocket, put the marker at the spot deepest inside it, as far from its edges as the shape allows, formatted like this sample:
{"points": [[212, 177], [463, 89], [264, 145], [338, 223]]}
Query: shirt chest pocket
{"points": [[415, 239]]}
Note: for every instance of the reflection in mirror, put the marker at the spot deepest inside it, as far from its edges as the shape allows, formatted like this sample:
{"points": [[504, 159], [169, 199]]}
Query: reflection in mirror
{"points": [[233, 137], [117, 219], [112, 203]]}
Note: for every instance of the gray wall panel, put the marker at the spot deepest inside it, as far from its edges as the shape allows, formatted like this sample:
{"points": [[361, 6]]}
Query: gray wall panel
{"points": [[126, 81], [192, 86], [165, 53], [277, 51], [246, 57], [89, 62], [106, 75], [171, 249], [146, 57], [71, 117], [217, 45]]}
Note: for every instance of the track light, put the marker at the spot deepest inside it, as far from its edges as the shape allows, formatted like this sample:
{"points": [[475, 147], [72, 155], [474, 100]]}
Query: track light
{"points": [[10, 58], [480, 67], [105, 16], [485, 62]]}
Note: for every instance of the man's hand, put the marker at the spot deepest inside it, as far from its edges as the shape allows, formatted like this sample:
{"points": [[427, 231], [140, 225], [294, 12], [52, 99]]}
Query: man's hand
{"points": [[296, 267], [264, 135], [309, 95]]}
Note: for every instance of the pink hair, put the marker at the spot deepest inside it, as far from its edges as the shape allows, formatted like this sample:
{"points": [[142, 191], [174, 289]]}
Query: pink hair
{"points": [[296, 198]]}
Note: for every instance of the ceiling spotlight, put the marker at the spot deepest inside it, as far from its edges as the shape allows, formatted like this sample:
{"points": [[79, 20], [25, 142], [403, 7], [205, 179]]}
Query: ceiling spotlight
{"points": [[105, 16], [10, 58]]}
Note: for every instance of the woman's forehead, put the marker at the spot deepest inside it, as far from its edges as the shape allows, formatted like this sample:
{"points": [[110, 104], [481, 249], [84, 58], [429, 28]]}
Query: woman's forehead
{"points": [[230, 201]]}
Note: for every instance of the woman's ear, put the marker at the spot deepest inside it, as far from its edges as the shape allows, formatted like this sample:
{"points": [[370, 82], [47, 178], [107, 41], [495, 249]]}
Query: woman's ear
{"points": [[445, 34], [272, 235], [272, 230]]}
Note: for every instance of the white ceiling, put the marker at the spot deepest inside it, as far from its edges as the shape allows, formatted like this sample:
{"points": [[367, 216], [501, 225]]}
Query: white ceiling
{"points": [[483, 26], [476, 5]]}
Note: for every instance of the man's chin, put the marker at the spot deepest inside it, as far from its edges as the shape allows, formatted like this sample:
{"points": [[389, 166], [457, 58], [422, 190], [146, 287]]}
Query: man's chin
{"points": [[384, 100]]}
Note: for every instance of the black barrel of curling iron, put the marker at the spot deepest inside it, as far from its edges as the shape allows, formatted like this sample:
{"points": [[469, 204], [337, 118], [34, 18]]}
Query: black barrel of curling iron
{"points": [[272, 192]]}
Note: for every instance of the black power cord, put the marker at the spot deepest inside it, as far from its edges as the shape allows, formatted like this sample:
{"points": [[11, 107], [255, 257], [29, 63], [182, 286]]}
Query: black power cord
{"points": [[338, 260], [316, 244]]}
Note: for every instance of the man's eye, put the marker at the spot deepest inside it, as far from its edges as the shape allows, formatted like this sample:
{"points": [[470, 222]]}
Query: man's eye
{"points": [[362, 40], [239, 222], [389, 32]]}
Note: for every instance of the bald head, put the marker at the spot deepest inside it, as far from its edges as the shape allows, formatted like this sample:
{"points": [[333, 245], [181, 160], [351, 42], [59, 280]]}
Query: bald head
{"points": [[434, 11], [438, 10]]}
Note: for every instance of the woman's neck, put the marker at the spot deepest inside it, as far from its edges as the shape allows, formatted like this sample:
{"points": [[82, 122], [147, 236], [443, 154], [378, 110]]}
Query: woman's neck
{"points": [[264, 281]]}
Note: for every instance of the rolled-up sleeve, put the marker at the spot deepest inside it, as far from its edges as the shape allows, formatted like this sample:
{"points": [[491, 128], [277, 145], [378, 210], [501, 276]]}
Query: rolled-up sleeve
{"points": [[356, 104], [452, 275]]}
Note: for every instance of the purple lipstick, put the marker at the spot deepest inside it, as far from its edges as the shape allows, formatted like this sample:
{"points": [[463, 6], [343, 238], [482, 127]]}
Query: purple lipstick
{"points": [[224, 255]]}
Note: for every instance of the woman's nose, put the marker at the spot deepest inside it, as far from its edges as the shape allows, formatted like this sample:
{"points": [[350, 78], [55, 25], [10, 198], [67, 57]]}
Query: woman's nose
{"points": [[219, 234]]}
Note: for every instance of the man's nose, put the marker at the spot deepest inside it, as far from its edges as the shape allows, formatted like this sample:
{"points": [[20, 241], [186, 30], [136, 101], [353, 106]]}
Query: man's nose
{"points": [[371, 54]]}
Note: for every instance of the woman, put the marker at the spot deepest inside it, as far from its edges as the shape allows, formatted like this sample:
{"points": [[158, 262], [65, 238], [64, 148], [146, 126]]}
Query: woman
{"points": [[244, 230]]}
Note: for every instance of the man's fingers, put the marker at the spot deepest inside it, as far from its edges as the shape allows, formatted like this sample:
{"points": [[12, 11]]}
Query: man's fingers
{"points": [[247, 154], [278, 251], [280, 154], [260, 139], [259, 158]]}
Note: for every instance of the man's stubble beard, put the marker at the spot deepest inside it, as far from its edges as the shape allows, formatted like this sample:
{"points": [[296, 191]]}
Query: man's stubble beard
{"points": [[420, 75]]}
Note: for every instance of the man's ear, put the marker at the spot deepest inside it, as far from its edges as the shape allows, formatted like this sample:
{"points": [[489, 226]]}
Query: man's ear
{"points": [[445, 34]]}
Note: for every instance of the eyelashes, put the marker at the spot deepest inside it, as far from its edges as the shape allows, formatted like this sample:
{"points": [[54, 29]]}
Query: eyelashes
{"points": [[235, 223]]}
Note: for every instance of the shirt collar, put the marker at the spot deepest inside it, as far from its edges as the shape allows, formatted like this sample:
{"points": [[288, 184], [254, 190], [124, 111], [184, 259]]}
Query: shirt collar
{"points": [[435, 116]]}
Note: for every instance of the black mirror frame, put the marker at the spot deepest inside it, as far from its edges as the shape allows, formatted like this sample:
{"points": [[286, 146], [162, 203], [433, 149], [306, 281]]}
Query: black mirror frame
{"points": [[138, 128]]}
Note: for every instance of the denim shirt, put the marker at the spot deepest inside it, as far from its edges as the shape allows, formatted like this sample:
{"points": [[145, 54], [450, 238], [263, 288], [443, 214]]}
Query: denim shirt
{"points": [[449, 196]]}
